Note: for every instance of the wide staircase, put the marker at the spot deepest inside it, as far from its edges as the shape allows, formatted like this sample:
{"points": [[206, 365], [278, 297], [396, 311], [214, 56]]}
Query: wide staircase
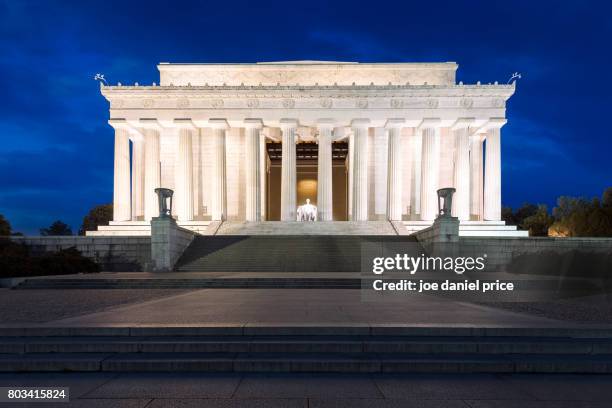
{"points": [[312, 348], [362, 228], [278, 253]]}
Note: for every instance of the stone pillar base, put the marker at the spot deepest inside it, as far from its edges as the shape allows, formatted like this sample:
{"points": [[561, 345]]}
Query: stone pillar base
{"points": [[168, 242], [442, 238]]}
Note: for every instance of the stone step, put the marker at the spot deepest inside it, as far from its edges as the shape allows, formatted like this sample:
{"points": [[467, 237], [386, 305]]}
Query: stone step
{"points": [[237, 283], [305, 344], [493, 233], [284, 253], [472, 228], [304, 362], [240, 330], [351, 348], [307, 228], [143, 228]]}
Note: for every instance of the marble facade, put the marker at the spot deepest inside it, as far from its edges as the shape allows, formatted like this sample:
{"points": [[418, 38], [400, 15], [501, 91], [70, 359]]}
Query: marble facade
{"points": [[410, 128]]}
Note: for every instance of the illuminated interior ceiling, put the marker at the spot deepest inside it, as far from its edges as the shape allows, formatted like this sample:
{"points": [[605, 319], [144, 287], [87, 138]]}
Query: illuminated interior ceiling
{"points": [[308, 151]]}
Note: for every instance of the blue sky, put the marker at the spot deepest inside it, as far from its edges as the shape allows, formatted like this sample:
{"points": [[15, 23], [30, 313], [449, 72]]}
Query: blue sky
{"points": [[56, 149]]}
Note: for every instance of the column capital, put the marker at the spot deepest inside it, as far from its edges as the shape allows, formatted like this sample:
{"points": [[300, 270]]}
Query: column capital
{"points": [[395, 123], [477, 137], [253, 123], [463, 123], [218, 123], [341, 132], [119, 124], [360, 123], [430, 123], [136, 134], [326, 123], [184, 123], [286, 123], [149, 123], [492, 123]]}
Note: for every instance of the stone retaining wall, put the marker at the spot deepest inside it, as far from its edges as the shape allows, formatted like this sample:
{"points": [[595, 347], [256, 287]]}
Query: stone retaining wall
{"points": [[501, 251], [121, 254]]}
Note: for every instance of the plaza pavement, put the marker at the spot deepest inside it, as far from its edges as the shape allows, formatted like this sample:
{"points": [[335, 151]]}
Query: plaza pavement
{"points": [[285, 307], [300, 306], [157, 390]]}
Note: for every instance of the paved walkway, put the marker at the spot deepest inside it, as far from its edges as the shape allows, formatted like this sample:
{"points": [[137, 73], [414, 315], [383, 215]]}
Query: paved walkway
{"points": [[139, 390], [302, 306]]}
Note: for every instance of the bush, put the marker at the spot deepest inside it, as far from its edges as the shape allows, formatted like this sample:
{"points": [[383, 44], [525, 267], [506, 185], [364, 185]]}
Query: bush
{"points": [[17, 260]]}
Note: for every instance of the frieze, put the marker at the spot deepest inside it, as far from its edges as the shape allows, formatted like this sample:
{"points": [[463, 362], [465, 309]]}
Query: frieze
{"points": [[288, 103], [217, 103], [397, 103], [326, 103], [361, 103], [498, 103], [182, 103], [117, 103], [272, 102], [466, 103]]}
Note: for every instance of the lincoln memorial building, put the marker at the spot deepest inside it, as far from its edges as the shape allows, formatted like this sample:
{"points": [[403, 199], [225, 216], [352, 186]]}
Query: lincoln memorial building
{"points": [[250, 143]]}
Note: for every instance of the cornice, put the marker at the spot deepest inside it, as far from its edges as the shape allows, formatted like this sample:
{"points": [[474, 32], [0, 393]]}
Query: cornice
{"points": [[313, 91]]}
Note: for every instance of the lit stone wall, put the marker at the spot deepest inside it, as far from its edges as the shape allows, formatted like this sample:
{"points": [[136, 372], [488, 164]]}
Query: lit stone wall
{"points": [[305, 73]]}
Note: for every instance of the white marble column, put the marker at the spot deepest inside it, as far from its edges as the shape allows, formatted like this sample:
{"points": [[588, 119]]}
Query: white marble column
{"points": [[121, 184], [288, 170], [324, 176], [138, 172], [152, 176], [476, 176], [461, 198], [218, 176], [430, 166], [394, 172], [415, 179], [263, 166], [184, 169], [351, 160], [492, 184], [253, 168], [360, 169]]}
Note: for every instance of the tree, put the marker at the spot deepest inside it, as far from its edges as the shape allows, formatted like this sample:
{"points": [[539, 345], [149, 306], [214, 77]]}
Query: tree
{"points": [[517, 217], [538, 223], [5, 226], [525, 211], [606, 198], [98, 215], [57, 228], [578, 217], [566, 206], [508, 216]]}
